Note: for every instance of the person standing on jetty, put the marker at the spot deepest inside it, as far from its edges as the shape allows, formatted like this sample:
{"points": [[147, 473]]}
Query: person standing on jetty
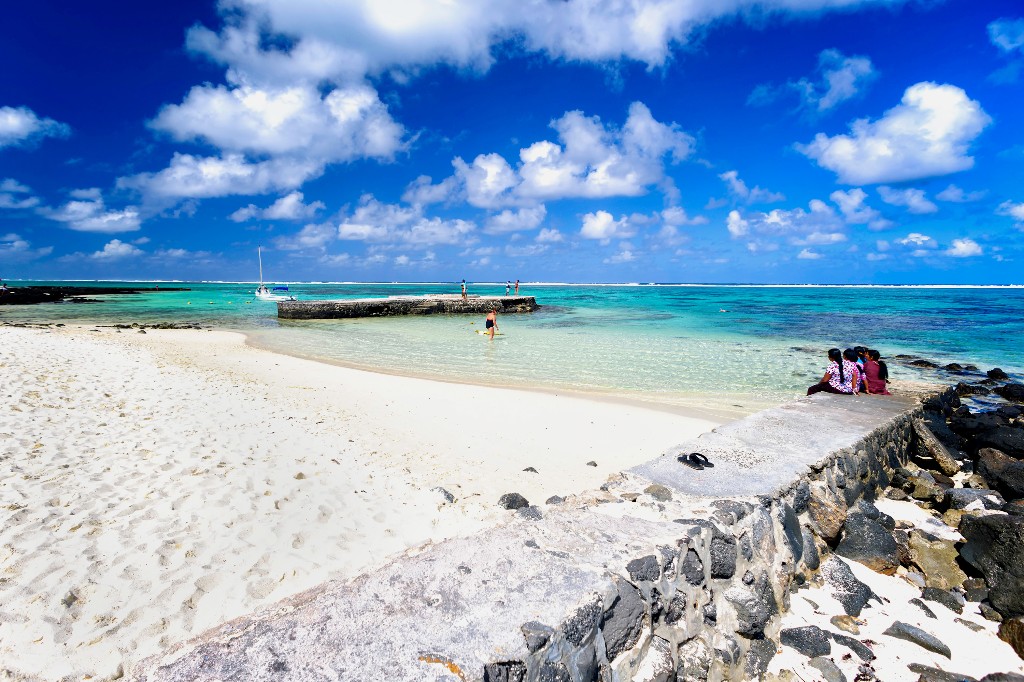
{"points": [[463, 290], [491, 323], [517, 287], [508, 287]]}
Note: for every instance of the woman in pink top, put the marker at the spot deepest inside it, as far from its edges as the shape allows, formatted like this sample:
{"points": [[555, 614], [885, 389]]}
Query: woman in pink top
{"points": [[840, 377], [876, 373]]}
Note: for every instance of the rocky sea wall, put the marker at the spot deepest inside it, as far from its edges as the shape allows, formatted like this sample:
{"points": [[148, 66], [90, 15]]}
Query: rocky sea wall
{"points": [[661, 575]]}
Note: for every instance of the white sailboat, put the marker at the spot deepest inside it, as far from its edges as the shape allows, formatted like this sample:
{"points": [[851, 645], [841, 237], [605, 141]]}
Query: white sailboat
{"points": [[263, 293]]}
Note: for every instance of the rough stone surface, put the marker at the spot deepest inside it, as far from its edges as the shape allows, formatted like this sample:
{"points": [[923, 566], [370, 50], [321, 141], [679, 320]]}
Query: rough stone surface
{"points": [[809, 640], [1009, 439], [937, 559], [1012, 392], [857, 647], [754, 606], [924, 607], [1001, 472], [505, 671], [826, 514], [846, 624], [952, 601], [995, 545], [830, 672], [866, 541], [512, 501], [847, 589], [759, 655], [692, 568], [659, 492], [919, 637], [644, 568], [694, 660], [624, 621], [536, 634], [1011, 631], [972, 498], [1003, 677], [935, 449], [811, 558], [930, 674], [723, 555], [403, 305]]}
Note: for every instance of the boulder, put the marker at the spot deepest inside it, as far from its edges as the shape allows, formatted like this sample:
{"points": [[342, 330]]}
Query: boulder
{"points": [[1001, 472], [995, 544], [1011, 631], [866, 541], [953, 601], [754, 606], [827, 515], [695, 659], [1012, 392], [623, 622], [971, 425], [1010, 411], [937, 560], [972, 498], [1009, 439], [996, 374], [919, 637], [857, 647], [930, 445], [512, 501], [930, 674], [830, 672], [810, 640], [847, 589], [963, 389], [759, 655]]}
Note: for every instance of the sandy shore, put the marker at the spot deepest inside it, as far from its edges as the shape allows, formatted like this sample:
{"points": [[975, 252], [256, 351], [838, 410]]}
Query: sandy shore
{"points": [[157, 485]]}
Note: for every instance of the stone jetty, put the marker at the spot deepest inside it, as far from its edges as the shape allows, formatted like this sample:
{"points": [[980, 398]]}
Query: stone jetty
{"points": [[449, 304]]}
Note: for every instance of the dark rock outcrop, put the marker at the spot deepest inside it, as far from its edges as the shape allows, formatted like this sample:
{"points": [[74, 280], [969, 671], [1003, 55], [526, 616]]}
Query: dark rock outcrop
{"points": [[810, 640], [1012, 392], [866, 541], [919, 637], [995, 544], [512, 501]]}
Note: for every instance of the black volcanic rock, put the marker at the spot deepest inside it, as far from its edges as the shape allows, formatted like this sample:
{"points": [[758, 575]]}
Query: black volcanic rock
{"points": [[1014, 392], [997, 374]]}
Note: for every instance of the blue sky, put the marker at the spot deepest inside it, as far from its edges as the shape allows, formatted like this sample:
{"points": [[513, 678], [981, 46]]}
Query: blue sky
{"points": [[774, 141]]}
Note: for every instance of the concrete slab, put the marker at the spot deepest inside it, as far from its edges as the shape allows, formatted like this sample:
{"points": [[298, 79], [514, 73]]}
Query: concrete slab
{"points": [[765, 452]]}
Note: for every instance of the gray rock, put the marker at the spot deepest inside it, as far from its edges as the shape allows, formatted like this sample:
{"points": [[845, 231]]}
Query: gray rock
{"points": [[801, 497], [919, 637], [1001, 472], [530, 513], [997, 374], [811, 558], [989, 613], [969, 625], [512, 501], [793, 533], [692, 568], [866, 541], [1009, 439], [847, 589], [448, 497], [1012, 392], [857, 647], [505, 671], [930, 446], [929, 674], [624, 620], [730, 651], [746, 548], [924, 607], [582, 625], [809, 640], [536, 634], [710, 612], [1003, 677], [739, 510], [658, 662], [694, 661], [994, 546], [644, 569], [952, 601], [554, 499], [754, 606], [960, 498], [828, 669], [759, 655], [659, 492], [553, 672], [722, 555]]}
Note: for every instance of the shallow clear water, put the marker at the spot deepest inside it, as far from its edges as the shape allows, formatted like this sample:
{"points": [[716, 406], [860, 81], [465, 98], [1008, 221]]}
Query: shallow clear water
{"points": [[677, 345]]}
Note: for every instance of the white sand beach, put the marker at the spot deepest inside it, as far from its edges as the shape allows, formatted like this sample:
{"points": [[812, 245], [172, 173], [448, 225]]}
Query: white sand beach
{"points": [[155, 485]]}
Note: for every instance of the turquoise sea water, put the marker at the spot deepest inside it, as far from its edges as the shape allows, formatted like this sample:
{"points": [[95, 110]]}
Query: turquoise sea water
{"points": [[668, 344]]}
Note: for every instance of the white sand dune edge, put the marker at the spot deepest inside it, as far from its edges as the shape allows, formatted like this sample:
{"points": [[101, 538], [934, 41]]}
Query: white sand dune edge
{"points": [[154, 486]]}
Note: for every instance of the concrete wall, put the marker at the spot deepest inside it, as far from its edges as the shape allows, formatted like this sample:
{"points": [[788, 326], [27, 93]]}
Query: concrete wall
{"points": [[412, 305], [641, 581]]}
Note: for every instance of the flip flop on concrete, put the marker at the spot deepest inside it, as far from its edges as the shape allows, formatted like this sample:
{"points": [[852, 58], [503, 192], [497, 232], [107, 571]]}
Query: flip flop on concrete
{"points": [[691, 461], [701, 459]]}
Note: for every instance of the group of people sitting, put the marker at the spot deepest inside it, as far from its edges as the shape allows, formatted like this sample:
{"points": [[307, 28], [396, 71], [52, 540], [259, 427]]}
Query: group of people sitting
{"points": [[853, 371]]}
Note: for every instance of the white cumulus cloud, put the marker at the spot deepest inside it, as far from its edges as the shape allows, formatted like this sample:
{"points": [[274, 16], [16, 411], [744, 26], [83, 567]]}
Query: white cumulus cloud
{"points": [[1007, 34], [288, 207], [21, 126], [808, 254], [1013, 210], [602, 226], [929, 133], [115, 249], [755, 195], [14, 195], [914, 200], [515, 221], [376, 222], [964, 248], [839, 78], [957, 195], [855, 211], [87, 212], [14, 249]]}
